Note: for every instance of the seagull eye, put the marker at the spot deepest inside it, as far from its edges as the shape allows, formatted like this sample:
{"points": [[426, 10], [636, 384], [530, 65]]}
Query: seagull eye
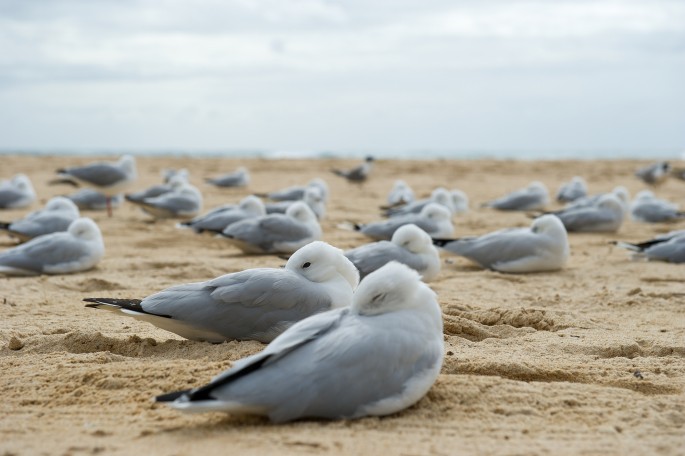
{"points": [[377, 297], [306, 265]]}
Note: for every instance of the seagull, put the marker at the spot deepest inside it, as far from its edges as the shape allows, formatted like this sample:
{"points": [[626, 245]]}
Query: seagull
{"points": [[17, 193], [239, 178], [89, 199], [440, 196], [400, 194], [78, 249], [276, 233], [168, 186], [358, 174], [534, 197], [106, 177], [312, 196], [183, 201], [218, 219], [541, 247], [169, 174], [410, 245], [377, 357], [254, 304], [654, 174], [435, 219], [649, 209], [571, 191], [619, 192], [296, 193], [668, 247], [56, 216], [606, 215], [460, 201]]}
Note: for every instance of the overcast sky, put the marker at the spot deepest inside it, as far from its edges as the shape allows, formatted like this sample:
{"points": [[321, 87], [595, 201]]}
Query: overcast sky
{"points": [[342, 75]]}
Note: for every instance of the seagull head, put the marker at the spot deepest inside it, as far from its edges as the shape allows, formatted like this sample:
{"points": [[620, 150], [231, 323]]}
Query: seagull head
{"points": [[413, 238], [321, 262], [393, 287]]}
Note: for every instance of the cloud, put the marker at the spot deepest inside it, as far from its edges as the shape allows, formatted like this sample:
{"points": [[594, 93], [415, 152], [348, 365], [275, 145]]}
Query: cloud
{"points": [[334, 73]]}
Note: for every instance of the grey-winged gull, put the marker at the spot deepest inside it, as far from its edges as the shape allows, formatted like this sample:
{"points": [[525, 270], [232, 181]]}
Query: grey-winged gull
{"points": [[377, 357]]}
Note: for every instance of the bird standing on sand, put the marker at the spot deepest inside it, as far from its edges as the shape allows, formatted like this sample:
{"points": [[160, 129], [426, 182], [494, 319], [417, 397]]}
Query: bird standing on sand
{"points": [[106, 177], [357, 175], [377, 357]]}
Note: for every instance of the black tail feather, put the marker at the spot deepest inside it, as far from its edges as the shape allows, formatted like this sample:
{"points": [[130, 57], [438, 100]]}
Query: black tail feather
{"points": [[63, 181], [5, 225], [171, 397], [441, 242], [128, 304]]}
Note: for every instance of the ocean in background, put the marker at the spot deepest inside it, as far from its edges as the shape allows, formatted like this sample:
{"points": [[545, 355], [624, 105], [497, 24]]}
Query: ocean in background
{"points": [[655, 154]]}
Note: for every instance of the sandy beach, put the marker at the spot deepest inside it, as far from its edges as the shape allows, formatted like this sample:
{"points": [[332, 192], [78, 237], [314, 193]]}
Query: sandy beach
{"points": [[588, 360]]}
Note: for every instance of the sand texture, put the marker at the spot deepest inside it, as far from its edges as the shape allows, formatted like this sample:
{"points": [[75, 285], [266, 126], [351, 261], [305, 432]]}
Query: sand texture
{"points": [[588, 360]]}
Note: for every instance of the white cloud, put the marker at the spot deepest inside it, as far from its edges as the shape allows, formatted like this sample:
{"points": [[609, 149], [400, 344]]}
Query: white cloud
{"points": [[385, 71]]}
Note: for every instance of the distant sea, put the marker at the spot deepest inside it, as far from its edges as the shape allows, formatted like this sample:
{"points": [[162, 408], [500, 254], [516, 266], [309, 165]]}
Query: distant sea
{"points": [[653, 154]]}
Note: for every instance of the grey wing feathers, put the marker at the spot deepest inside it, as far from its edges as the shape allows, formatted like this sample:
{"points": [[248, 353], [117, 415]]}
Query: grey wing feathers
{"points": [[100, 174], [300, 334], [373, 256], [43, 251], [498, 247]]}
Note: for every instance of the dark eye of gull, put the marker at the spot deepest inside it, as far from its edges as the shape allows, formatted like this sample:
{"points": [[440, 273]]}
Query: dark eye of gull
{"points": [[306, 265]]}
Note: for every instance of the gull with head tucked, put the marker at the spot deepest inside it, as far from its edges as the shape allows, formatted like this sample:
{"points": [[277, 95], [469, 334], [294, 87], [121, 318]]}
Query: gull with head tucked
{"points": [[542, 247], [532, 198], [435, 219], [17, 192], [275, 233], [377, 357], [183, 201], [410, 245], [606, 215], [255, 304], [78, 249], [56, 216], [218, 219]]}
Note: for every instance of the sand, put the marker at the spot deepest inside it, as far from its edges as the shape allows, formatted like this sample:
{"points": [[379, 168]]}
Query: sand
{"points": [[588, 360]]}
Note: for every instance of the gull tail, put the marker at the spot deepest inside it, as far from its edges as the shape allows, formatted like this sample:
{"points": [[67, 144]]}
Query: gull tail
{"points": [[127, 306], [338, 172], [349, 226], [63, 180], [171, 397], [441, 242]]}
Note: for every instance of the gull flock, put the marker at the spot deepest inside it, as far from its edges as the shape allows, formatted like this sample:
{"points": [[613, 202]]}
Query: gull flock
{"points": [[350, 333]]}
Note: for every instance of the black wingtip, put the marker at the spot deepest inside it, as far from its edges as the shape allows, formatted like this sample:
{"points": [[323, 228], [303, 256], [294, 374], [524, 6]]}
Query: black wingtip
{"points": [[441, 242], [63, 181], [5, 225], [171, 397]]}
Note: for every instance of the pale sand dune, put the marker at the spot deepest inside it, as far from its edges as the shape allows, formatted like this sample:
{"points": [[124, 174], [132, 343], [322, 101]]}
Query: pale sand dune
{"points": [[535, 364]]}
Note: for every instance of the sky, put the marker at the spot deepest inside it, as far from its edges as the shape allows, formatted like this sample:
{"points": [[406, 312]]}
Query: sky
{"points": [[374, 75]]}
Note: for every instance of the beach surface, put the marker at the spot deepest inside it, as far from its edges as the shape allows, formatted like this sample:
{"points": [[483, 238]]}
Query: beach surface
{"points": [[587, 360]]}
